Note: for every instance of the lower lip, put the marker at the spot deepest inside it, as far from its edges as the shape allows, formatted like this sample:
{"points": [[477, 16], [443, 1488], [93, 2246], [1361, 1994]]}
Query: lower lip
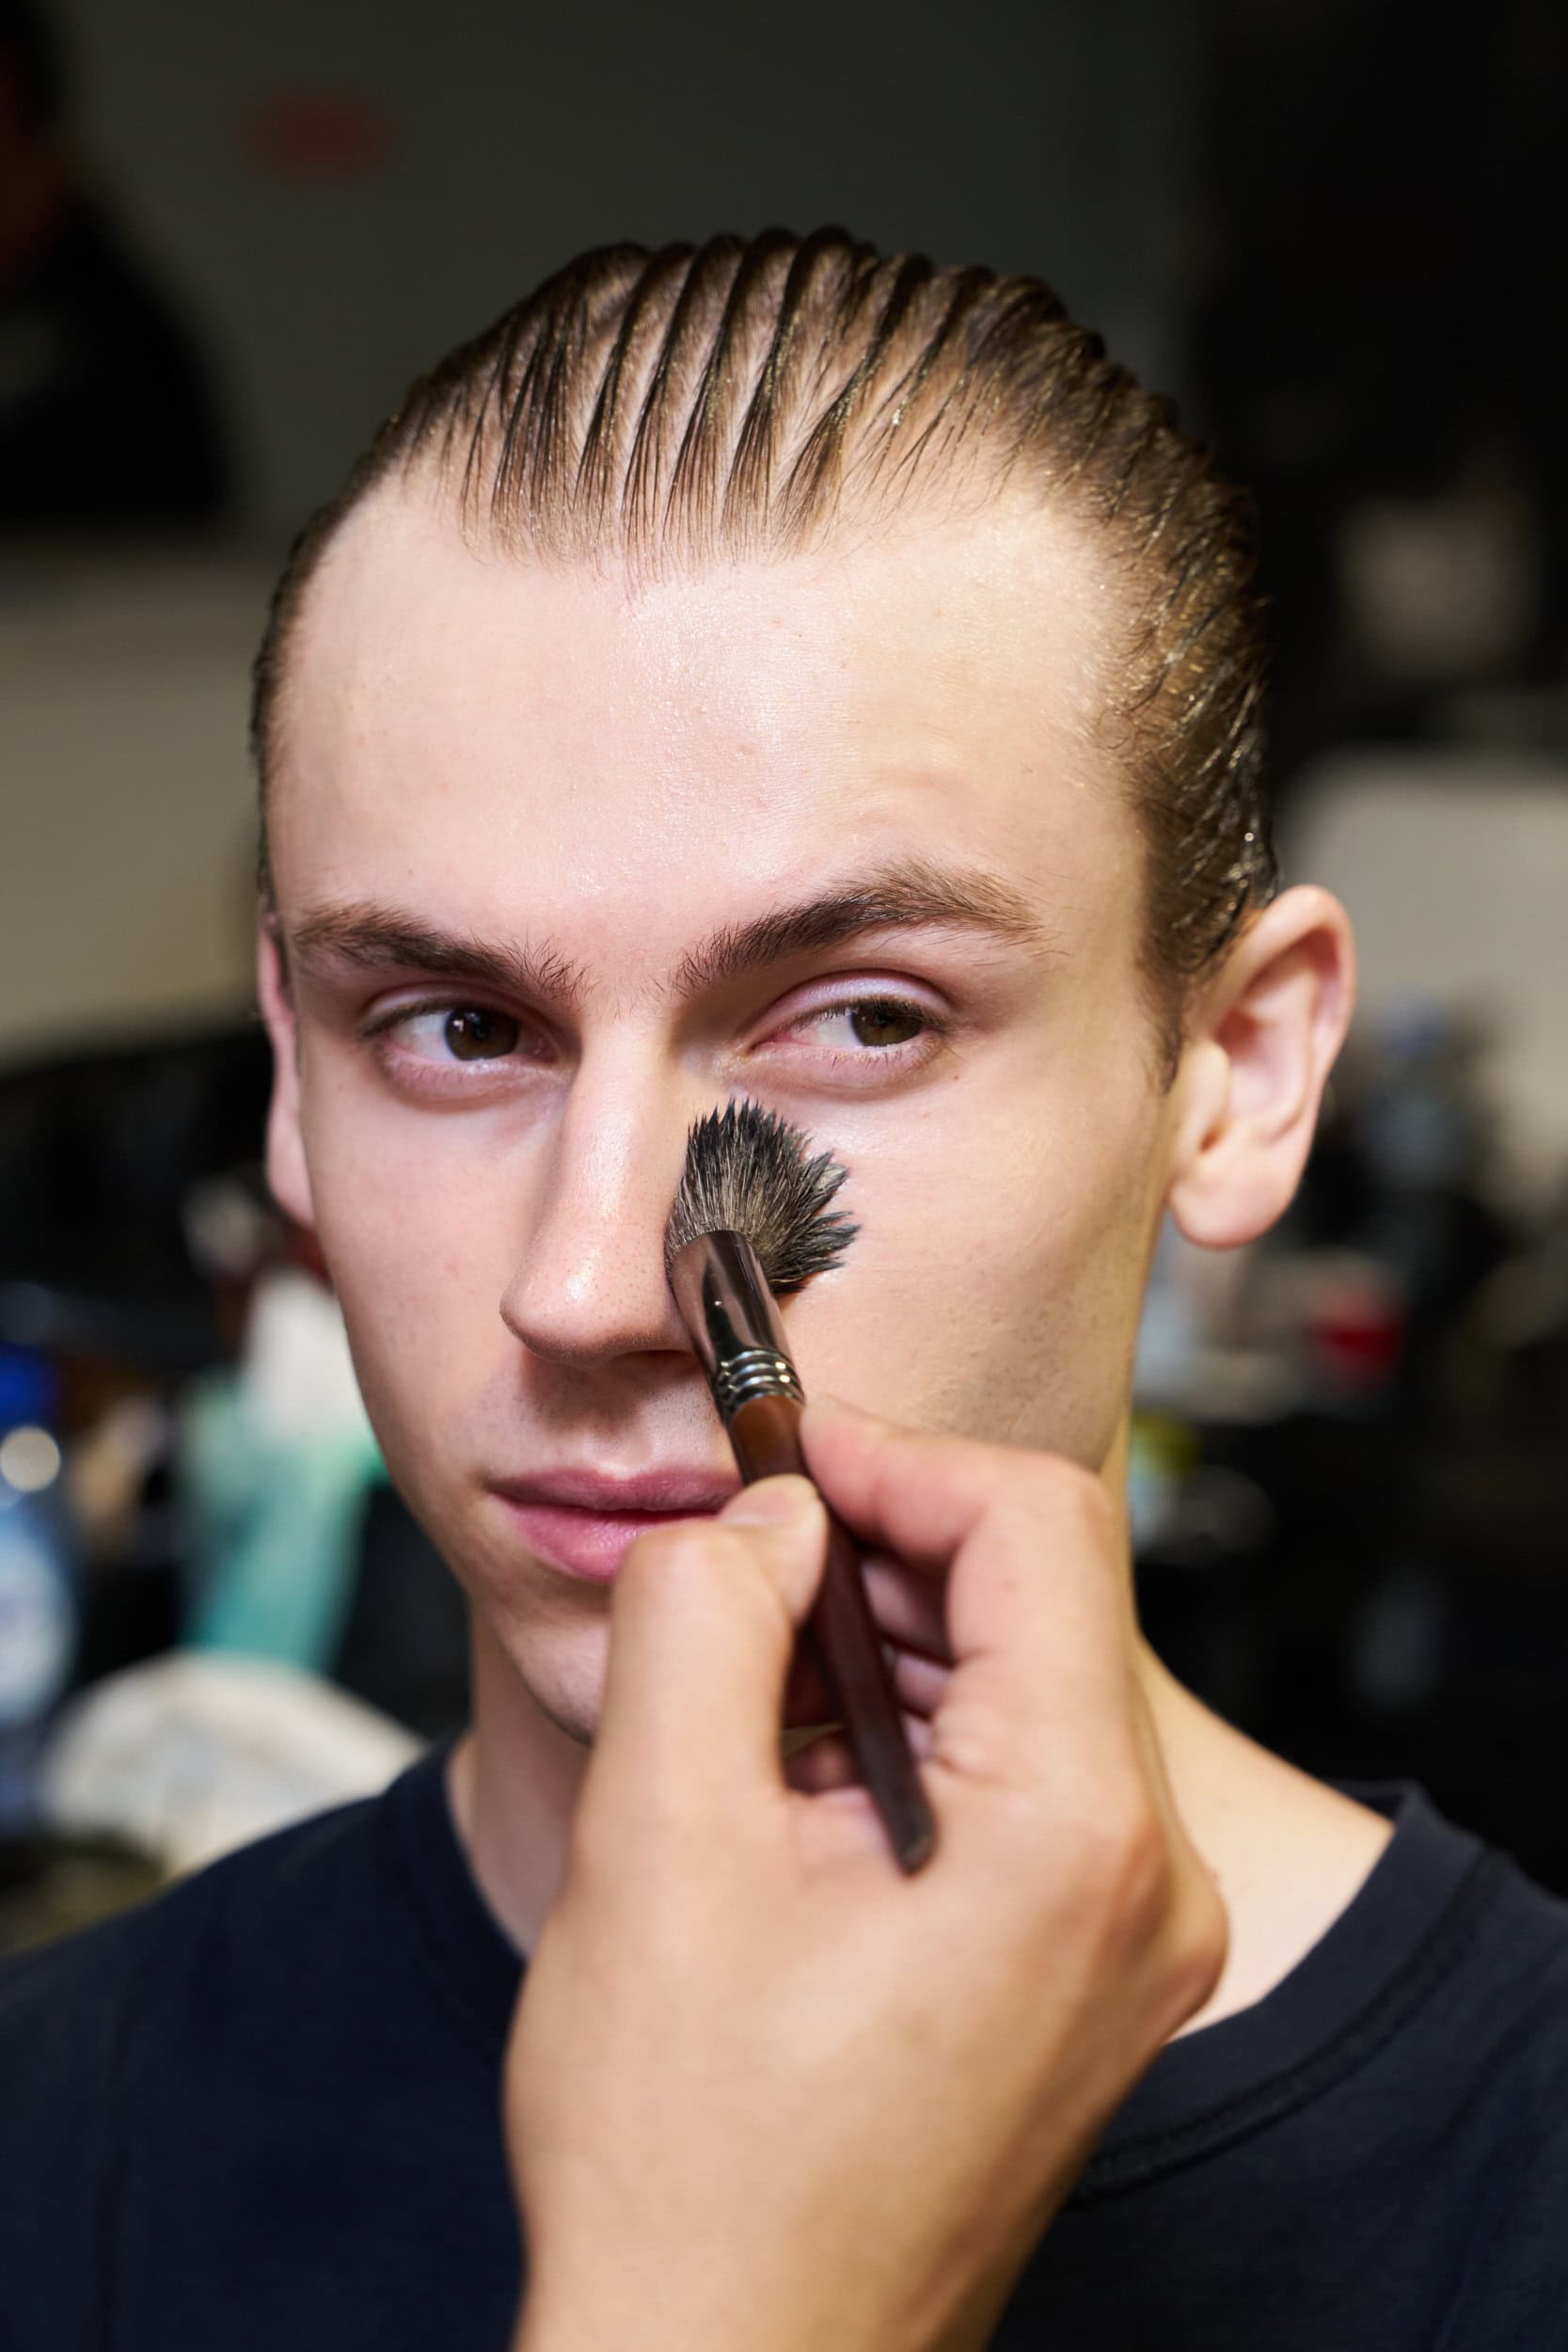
{"points": [[587, 1544]]}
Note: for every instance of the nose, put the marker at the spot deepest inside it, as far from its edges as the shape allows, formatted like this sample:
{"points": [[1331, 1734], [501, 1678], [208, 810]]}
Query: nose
{"points": [[589, 1284]]}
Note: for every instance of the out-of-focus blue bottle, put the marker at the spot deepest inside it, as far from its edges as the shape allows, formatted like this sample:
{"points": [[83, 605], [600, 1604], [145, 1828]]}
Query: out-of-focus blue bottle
{"points": [[38, 1594]]}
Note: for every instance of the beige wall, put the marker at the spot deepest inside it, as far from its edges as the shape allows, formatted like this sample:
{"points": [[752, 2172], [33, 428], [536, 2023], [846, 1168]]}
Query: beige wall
{"points": [[126, 835], [1454, 868]]}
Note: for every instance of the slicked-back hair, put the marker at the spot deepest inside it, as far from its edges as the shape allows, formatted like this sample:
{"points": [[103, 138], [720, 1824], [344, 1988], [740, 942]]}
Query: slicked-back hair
{"points": [[742, 399]]}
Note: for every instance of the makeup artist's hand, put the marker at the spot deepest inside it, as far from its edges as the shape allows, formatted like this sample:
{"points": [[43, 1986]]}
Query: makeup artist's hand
{"points": [[764, 2093]]}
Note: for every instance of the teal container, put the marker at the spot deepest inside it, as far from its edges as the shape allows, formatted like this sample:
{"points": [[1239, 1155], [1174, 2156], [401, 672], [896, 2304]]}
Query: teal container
{"points": [[38, 1606]]}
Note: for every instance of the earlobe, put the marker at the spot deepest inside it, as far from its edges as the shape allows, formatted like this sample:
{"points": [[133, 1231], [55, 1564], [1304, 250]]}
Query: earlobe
{"points": [[1253, 1074], [286, 1171]]}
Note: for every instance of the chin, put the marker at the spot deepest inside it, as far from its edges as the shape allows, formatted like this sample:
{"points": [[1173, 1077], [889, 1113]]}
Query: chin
{"points": [[559, 1670], [539, 1642]]}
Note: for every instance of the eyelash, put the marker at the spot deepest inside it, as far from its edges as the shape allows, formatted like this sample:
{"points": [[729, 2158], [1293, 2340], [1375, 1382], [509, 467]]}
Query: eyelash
{"points": [[870, 1062], [380, 1034], [909, 1053]]}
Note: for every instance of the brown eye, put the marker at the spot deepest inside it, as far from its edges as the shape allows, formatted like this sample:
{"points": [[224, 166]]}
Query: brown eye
{"points": [[474, 1035], [884, 1021]]}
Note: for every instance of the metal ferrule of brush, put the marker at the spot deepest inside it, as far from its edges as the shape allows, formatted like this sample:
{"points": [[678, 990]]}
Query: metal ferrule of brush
{"points": [[728, 1309]]}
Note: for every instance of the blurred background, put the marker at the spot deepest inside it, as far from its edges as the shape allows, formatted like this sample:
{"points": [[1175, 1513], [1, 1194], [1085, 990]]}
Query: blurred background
{"points": [[228, 237]]}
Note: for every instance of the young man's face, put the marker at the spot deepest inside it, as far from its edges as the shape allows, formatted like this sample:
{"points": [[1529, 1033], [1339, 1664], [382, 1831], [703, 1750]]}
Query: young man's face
{"points": [[560, 867]]}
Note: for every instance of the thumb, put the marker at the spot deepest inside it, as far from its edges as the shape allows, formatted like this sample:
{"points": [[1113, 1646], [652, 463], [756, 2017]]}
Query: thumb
{"points": [[702, 1632]]}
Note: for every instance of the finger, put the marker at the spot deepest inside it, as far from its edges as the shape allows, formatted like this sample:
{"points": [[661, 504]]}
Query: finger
{"points": [[920, 1682], [902, 1491], [921, 1498], [1036, 1610], [1041, 1697], [702, 1628], [909, 1618], [908, 1609], [910, 1606]]}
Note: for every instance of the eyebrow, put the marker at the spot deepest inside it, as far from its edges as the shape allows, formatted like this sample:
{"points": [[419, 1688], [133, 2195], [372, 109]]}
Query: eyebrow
{"points": [[908, 895], [383, 939]]}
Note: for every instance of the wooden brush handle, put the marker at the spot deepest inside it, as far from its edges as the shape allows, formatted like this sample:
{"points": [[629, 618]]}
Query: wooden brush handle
{"points": [[765, 1434]]}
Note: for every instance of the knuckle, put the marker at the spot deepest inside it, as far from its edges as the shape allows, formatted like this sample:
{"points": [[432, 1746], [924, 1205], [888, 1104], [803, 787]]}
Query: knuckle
{"points": [[1072, 1496], [1201, 1944], [1126, 1867], [1161, 1915], [981, 1746], [1144, 1883]]}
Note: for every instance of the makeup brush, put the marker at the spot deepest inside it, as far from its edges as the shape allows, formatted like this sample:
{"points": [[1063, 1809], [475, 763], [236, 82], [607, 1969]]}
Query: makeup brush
{"points": [[752, 1223]]}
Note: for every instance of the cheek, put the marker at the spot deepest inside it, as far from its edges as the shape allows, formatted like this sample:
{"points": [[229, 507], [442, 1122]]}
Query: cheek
{"points": [[416, 1241], [995, 1290]]}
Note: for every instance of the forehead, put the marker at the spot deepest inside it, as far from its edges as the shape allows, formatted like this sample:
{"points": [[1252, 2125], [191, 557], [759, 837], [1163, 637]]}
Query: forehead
{"points": [[477, 725]]}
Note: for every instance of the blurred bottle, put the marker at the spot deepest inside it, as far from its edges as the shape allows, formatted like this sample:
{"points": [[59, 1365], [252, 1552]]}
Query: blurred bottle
{"points": [[38, 1597]]}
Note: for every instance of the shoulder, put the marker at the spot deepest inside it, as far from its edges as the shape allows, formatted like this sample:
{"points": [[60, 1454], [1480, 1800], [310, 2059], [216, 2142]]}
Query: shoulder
{"points": [[1478, 2089], [127, 2051], [1505, 2044], [1515, 1990], [1478, 1998], [72, 2013], [1511, 1936]]}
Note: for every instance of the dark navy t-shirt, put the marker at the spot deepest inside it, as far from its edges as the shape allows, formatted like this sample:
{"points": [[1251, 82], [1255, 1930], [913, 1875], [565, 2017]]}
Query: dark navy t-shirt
{"points": [[263, 2112]]}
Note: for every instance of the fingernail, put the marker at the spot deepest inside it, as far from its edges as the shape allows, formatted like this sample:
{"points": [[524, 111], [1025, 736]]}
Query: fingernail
{"points": [[772, 1502]]}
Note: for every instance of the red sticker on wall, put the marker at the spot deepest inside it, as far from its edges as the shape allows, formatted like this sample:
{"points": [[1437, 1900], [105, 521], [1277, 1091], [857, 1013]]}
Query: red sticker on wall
{"points": [[320, 135]]}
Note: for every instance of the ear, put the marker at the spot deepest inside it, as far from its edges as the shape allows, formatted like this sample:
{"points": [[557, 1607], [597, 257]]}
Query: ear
{"points": [[1258, 1053], [286, 1171]]}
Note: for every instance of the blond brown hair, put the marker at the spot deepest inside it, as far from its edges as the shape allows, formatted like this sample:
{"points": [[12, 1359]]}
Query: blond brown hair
{"points": [[742, 398]]}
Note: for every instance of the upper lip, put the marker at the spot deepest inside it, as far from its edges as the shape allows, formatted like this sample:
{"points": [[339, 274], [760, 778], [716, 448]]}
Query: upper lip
{"points": [[608, 1496]]}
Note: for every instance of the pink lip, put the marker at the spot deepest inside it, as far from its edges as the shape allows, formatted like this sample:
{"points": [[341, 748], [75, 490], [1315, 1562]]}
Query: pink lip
{"points": [[585, 1524]]}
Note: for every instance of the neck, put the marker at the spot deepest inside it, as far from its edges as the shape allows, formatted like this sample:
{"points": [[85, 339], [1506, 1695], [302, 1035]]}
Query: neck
{"points": [[513, 1782], [1288, 1853]]}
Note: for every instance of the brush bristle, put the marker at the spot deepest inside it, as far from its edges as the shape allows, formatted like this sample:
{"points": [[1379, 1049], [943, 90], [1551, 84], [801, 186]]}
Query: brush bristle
{"points": [[748, 1171]]}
